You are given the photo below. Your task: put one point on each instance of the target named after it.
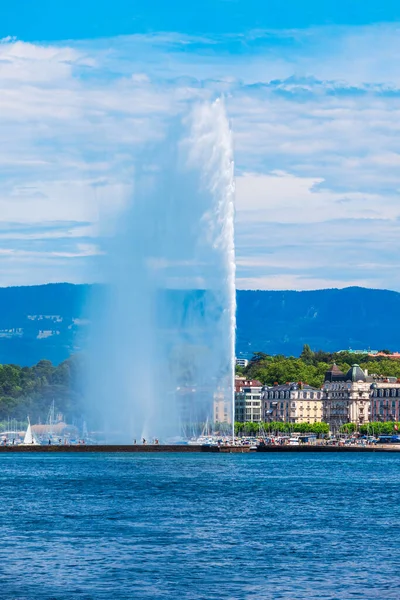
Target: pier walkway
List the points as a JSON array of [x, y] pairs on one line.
[[82, 448]]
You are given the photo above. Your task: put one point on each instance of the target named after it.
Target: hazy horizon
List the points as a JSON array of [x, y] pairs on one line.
[[83, 283]]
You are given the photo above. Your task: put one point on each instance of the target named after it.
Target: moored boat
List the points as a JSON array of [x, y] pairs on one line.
[[30, 439]]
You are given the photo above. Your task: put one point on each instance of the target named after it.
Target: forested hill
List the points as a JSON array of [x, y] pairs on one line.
[[281, 322], [43, 322], [52, 321]]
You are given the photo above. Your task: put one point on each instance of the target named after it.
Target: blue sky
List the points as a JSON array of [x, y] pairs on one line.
[[313, 94], [74, 19]]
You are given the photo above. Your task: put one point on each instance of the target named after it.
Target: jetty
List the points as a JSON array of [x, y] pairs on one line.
[[160, 448]]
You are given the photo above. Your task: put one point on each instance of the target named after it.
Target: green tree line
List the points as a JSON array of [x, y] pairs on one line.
[[276, 427], [379, 428], [31, 390]]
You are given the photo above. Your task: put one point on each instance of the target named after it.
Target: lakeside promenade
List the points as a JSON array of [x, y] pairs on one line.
[[157, 448]]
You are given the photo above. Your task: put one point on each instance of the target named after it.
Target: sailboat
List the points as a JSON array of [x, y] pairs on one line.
[[29, 439], [206, 438]]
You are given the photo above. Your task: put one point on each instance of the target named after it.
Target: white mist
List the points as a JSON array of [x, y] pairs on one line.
[[166, 342]]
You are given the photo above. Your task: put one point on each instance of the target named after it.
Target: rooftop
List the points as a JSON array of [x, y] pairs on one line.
[[355, 373], [334, 373]]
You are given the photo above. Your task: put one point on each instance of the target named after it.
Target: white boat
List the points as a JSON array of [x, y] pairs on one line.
[[197, 441], [29, 439], [203, 440], [294, 442]]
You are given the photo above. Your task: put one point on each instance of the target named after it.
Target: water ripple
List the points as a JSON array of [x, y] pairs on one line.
[[199, 527]]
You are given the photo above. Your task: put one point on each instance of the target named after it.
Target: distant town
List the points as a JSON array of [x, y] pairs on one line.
[[359, 390], [325, 394]]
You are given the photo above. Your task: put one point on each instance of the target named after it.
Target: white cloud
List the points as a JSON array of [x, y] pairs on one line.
[[316, 125], [285, 198], [35, 63], [62, 201], [82, 250]]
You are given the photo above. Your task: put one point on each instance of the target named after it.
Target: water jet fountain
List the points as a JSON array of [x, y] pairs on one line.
[[165, 348]]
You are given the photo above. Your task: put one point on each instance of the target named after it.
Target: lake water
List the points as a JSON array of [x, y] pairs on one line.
[[201, 526]]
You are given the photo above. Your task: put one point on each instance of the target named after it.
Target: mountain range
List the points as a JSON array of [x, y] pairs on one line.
[[53, 321]]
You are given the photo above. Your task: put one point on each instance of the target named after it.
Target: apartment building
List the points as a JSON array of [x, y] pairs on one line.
[[247, 400], [292, 403]]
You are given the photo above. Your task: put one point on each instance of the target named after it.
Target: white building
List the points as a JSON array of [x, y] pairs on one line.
[[222, 408], [247, 400], [346, 397], [292, 403], [242, 362]]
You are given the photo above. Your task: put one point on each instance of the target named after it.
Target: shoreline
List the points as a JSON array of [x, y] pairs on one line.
[[194, 449]]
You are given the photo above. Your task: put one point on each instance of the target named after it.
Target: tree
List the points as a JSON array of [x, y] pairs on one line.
[[257, 356], [348, 428], [239, 427], [31, 390], [379, 428], [320, 428], [307, 355]]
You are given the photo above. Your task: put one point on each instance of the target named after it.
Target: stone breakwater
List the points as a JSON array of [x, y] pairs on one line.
[[190, 449], [123, 448]]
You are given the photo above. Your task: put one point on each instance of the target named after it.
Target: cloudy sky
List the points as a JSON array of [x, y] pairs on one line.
[[312, 93]]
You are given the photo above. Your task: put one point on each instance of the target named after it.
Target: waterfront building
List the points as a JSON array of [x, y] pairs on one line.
[[247, 400], [222, 408], [346, 397], [292, 403], [385, 400]]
